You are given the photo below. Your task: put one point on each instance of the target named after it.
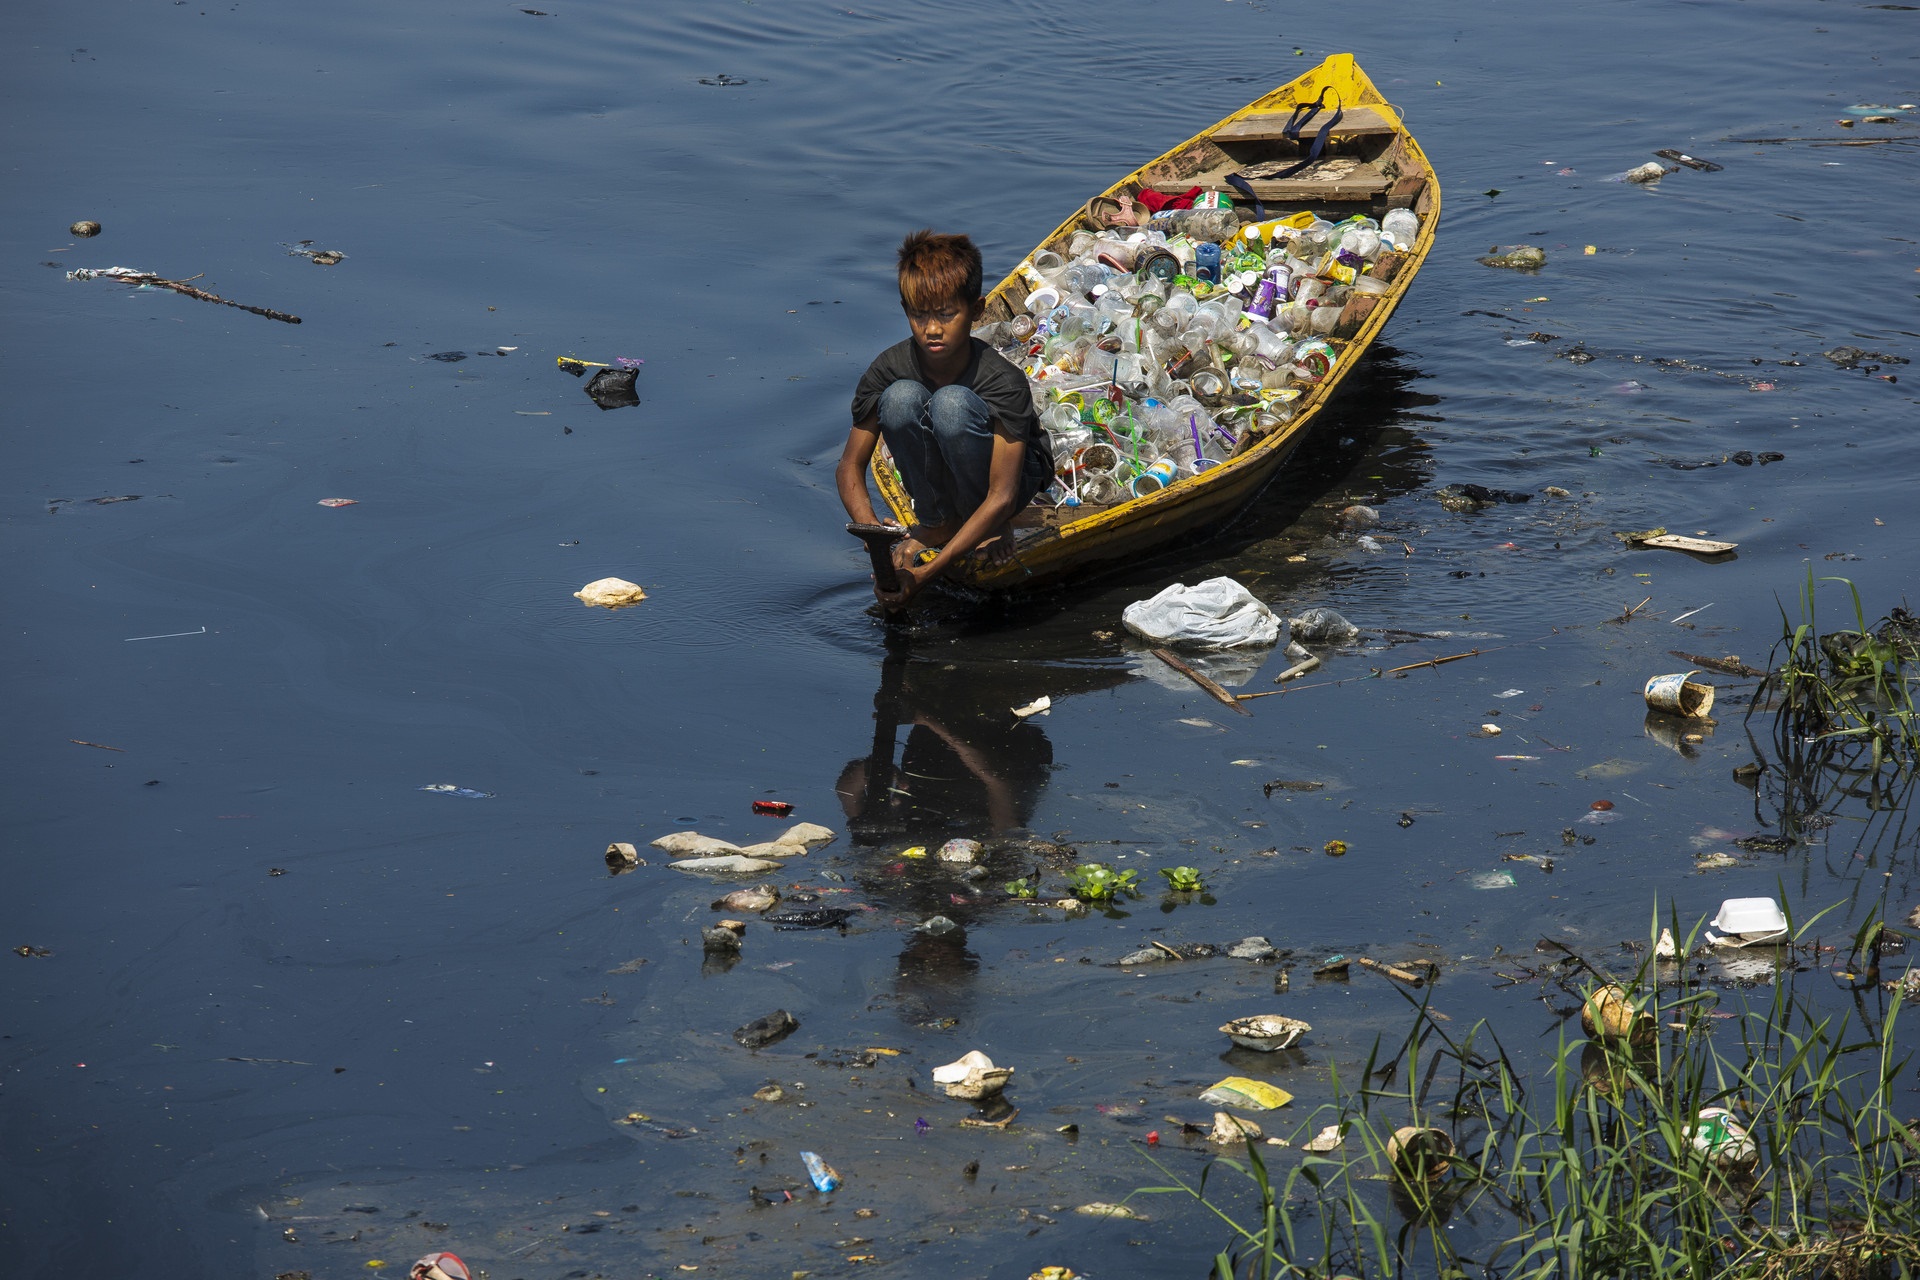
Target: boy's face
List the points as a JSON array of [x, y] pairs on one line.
[[943, 328]]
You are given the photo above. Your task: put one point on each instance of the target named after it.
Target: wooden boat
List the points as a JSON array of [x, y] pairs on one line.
[[1370, 164]]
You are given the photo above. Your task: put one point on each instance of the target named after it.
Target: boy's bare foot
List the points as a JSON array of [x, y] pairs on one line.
[[997, 548]]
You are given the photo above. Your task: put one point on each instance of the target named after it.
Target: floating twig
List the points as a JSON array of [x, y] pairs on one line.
[[1728, 666], [1626, 615], [128, 276], [171, 635], [1452, 657], [80, 742], [1210, 686], [1392, 971]]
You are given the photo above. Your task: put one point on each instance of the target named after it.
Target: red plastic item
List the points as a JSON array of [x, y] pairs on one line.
[[778, 808], [440, 1266], [1153, 1138]]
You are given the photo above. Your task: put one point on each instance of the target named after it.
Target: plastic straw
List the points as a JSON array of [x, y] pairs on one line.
[[1193, 426]]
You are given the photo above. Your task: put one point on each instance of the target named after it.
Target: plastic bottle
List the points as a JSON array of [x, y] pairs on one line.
[[1206, 262], [1215, 225], [1363, 242], [820, 1172], [1399, 229]]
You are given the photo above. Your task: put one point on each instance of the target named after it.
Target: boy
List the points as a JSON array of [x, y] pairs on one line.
[[958, 420]]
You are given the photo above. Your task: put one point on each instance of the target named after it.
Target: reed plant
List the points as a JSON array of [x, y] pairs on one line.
[[1605, 1168], [1835, 726]]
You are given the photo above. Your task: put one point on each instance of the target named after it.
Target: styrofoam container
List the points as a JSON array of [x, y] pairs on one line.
[[1752, 919]]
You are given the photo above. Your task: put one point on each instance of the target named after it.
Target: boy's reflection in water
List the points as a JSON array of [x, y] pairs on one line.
[[969, 767]]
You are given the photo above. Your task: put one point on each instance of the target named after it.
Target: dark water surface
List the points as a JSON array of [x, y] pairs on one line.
[[410, 1039]]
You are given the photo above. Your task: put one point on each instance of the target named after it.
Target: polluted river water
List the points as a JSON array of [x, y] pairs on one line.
[[307, 802]]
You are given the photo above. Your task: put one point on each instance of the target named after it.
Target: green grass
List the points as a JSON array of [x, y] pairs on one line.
[[1595, 1173]]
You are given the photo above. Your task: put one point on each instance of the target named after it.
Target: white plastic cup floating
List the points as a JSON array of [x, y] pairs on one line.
[[1680, 694]]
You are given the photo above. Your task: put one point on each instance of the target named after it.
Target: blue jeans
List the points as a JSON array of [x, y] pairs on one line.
[[942, 444]]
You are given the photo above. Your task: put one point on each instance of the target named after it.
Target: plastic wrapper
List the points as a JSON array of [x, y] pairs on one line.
[[1218, 613], [1322, 626]]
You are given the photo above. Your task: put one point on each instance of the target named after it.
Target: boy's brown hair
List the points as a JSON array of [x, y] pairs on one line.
[[936, 269]]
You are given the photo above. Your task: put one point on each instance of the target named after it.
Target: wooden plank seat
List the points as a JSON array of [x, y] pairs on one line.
[[1329, 178], [1355, 122]]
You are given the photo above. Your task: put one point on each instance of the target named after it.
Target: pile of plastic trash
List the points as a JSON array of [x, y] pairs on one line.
[[1157, 352]]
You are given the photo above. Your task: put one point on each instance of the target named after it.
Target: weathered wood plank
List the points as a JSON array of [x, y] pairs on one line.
[[1355, 122]]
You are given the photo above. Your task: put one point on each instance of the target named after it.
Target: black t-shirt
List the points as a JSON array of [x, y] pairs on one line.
[[987, 375]]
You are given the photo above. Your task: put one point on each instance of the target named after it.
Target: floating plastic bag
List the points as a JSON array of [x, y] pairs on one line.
[[1322, 626], [1218, 613]]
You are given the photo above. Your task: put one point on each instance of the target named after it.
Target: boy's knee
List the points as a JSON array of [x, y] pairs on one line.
[[957, 410], [902, 403]]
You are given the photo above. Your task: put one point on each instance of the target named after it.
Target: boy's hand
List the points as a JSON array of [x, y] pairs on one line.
[[906, 552], [912, 578]]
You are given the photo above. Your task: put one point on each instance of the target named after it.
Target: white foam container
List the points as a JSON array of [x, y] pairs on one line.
[[1751, 920]]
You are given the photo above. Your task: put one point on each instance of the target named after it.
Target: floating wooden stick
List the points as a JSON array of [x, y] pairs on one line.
[[1210, 686], [1432, 662], [1725, 666], [181, 286], [1392, 971]]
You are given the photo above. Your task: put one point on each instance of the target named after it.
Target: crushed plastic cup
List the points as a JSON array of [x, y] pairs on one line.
[[1722, 1139]]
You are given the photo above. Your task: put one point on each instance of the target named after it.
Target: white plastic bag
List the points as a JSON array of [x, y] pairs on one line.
[[1218, 613]]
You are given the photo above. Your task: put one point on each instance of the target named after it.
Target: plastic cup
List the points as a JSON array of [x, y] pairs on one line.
[[1680, 694]]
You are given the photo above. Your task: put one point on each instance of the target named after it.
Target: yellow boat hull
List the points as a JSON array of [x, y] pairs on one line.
[[1071, 545]]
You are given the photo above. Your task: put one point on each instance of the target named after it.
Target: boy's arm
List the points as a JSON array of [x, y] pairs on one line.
[[1003, 489], [851, 474]]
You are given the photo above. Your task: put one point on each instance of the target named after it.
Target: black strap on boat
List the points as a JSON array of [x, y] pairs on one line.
[[1303, 113]]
